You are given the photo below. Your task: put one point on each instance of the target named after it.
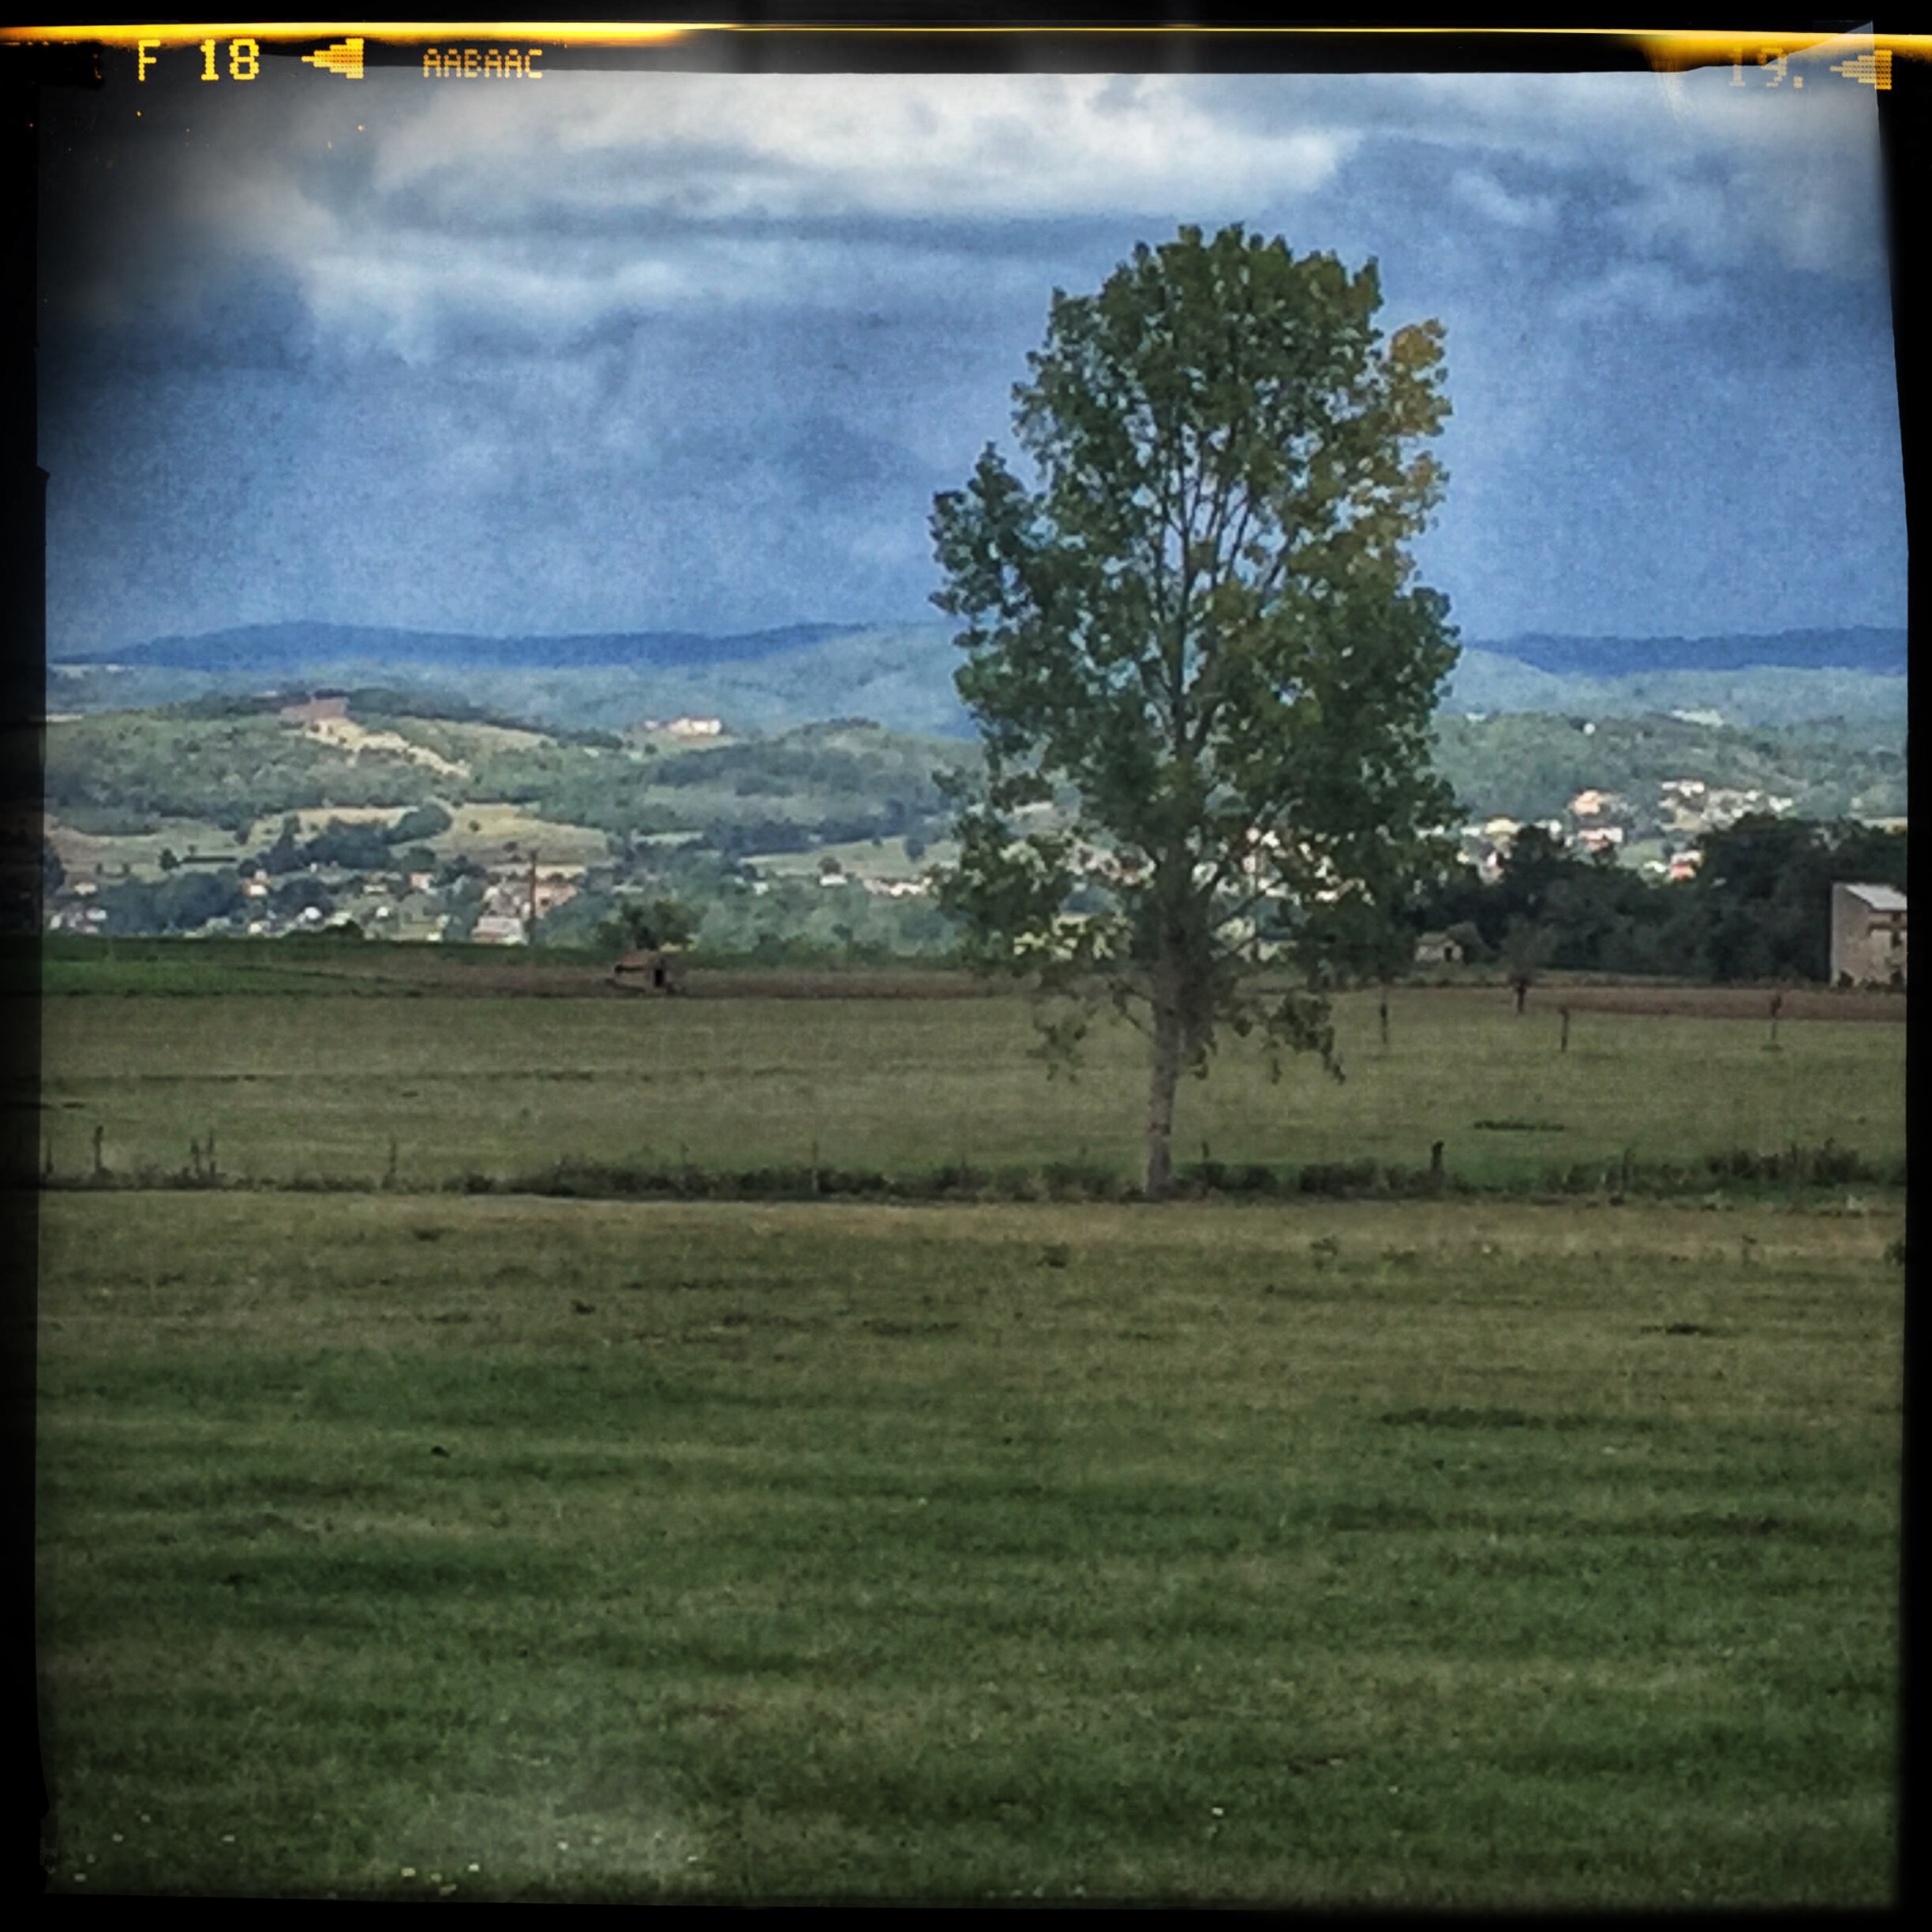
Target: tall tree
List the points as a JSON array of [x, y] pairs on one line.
[[1202, 673]]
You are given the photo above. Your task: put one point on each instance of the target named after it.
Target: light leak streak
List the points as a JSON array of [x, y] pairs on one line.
[[1670, 49]]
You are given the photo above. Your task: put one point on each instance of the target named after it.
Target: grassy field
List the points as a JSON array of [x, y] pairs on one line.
[[1430, 1554], [296, 1087]]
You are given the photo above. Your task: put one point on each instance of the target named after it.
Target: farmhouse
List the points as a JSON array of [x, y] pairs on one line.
[[1867, 936]]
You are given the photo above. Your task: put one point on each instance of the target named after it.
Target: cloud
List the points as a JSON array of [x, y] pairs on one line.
[[1488, 196], [721, 147], [416, 219], [1639, 291], [697, 348], [459, 217], [1721, 177]]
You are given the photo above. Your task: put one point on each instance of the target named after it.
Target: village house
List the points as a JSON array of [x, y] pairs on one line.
[[1689, 806], [1867, 936], [84, 918], [1591, 803], [1680, 803]]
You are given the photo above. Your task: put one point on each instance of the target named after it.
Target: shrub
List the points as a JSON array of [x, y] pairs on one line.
[[419, 823], [1339, 1177]]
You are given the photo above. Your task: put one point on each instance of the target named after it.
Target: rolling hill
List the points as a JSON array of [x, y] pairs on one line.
[[901, 676]]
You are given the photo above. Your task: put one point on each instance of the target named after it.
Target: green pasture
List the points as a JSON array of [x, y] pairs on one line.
[[318, 1088], [1453, 1554], [295, 966]]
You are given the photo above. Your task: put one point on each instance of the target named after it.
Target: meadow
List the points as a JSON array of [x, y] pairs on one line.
[[1454, 1553], [402, 1537], [320, 1090]]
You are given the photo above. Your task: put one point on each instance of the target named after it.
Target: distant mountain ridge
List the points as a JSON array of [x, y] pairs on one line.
[[284, 648], [291, 646], [901, 676], [1858, 648]]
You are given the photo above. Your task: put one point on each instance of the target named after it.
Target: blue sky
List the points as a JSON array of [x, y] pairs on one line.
[[695, 350]]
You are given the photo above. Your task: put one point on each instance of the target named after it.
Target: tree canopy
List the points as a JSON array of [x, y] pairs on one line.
[[1202, 673], [660, 923]]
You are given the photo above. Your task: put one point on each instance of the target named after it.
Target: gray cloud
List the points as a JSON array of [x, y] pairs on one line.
[[696, 350]]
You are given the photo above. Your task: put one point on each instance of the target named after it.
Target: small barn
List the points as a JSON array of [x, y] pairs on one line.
[[648, 970], [1438, 948], [1867, 936]]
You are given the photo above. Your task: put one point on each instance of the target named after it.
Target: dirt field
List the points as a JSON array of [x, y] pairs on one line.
[[1708, 1003], [521, 974], [526, 974]]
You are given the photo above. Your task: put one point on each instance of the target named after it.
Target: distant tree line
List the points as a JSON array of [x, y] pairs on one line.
[[186, 899], [358, 847], [1758, 907]]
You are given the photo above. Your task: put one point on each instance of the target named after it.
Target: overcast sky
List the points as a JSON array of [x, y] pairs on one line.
[[695, 351]]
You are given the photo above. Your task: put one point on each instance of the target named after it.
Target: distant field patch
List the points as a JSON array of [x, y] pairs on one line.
[[346, 734], [490, 831], [102, 855]]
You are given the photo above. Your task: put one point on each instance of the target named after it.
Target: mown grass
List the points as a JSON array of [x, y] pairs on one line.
[[1430, 1554], [319, 1088]]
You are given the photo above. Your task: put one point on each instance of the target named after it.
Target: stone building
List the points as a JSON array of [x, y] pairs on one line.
[[1867, 936]]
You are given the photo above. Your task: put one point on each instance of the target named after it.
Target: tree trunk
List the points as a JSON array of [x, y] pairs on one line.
[[1165, 1077]]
